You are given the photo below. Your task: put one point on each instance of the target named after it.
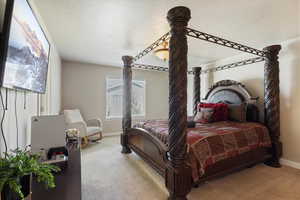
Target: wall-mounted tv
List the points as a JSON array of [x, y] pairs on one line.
[[25, 49]]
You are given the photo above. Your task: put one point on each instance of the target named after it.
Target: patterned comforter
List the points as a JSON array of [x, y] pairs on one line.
[[213, 142]]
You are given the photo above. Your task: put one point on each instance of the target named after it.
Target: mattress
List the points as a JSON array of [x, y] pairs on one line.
[[213, 142]]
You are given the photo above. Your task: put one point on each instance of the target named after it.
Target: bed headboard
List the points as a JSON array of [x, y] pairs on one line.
[[233, 92]]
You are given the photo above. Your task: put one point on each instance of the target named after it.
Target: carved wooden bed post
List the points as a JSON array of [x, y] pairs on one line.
[[197, 88], [178, 174], [272, 101], [127, 86]]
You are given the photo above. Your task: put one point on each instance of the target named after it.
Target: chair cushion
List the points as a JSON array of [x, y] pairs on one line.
[[73, 116], [93, 129]]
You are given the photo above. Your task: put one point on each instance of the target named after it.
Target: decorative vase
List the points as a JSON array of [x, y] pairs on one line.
[[8, 194]]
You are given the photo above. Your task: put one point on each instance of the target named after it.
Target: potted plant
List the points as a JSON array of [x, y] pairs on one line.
[[16, 169]]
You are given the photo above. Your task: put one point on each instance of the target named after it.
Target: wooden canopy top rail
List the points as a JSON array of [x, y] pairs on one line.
[[150, 48], [223, 42], [202, 36], [150, 67], [192, 72], [177, 172], [231, 65]]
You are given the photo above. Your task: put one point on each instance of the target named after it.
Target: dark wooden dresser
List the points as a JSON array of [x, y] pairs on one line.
[[68, 181]]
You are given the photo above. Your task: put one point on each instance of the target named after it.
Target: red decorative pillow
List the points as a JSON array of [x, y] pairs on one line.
[[220, 110]]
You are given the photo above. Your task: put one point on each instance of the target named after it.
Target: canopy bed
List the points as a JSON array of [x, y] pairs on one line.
[[187, 156]]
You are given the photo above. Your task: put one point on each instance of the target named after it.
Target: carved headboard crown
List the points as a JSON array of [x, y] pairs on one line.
[[233, 92]]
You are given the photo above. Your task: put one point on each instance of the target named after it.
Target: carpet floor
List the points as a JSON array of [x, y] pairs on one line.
[[109, 175]]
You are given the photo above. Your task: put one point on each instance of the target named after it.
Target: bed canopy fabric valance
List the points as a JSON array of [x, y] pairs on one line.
[[177, 180]]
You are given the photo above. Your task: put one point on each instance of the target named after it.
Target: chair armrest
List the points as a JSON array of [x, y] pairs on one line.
[[94, 122], [80, 126]]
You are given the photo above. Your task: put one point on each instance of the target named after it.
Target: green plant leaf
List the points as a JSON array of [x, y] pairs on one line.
[[19, 163]]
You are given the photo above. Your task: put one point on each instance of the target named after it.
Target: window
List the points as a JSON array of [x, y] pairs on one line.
[[114, 98]]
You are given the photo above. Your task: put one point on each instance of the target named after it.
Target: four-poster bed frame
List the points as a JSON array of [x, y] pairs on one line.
[[169, 160]]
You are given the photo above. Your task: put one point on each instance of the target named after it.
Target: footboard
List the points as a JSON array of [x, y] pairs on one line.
[[150, 148]]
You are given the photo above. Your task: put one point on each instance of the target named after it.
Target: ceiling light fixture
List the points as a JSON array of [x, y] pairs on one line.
[[163, 52]]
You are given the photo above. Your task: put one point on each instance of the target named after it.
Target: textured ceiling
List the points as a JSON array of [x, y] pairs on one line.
[[101, 31]]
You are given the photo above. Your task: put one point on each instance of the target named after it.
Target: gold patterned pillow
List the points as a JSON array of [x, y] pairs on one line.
[[238, 112], [204, 116]]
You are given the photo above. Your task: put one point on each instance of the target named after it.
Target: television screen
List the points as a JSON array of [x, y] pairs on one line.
[[27, 59], [2, 10]]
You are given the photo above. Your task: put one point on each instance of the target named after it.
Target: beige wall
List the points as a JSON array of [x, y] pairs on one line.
[[252, 77], [84, 88], [50, 101]]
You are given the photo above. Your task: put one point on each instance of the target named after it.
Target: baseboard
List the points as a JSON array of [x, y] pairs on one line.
[[290, 163], [111, 134]]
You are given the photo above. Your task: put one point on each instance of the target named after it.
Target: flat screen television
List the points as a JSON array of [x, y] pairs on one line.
[[24, 49]]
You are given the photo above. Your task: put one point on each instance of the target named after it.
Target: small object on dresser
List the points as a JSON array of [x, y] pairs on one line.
[[43, 154], [57, 150], [72, 138], [72, 135], [58, 156]]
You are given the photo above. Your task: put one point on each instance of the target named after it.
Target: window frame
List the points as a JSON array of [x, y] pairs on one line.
[[136, 116]]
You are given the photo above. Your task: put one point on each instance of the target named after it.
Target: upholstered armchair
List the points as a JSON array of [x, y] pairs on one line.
[[90, 130]]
